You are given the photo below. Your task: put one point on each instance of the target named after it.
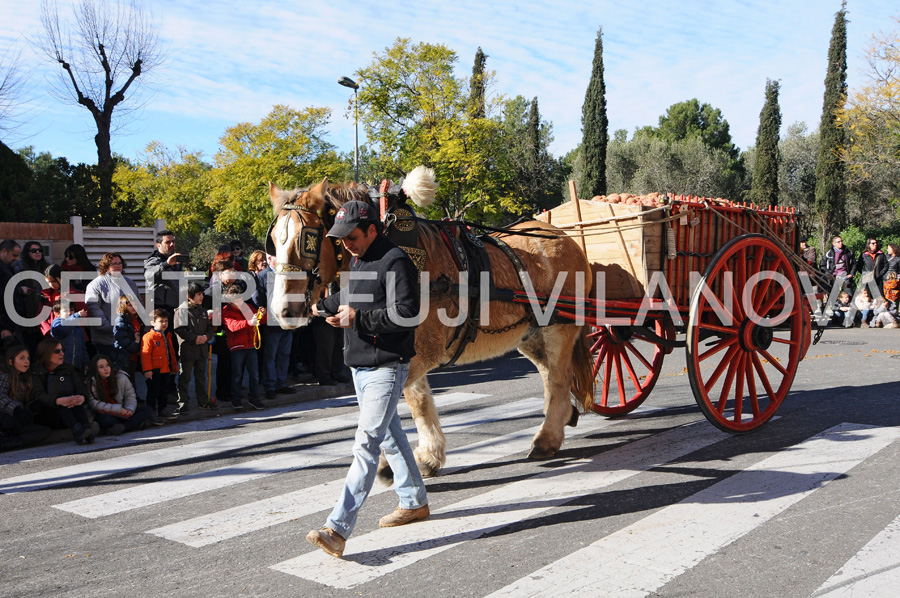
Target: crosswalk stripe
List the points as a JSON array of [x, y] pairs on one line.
[[386, 550], [155, 458], [143, 495], [641, 558], [236, 521], [872, 572]]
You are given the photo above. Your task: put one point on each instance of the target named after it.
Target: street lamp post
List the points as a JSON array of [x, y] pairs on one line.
[[348, 82]]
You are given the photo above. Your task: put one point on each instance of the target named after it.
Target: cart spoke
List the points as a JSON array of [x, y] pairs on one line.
[[762, 376], [600, 357], [778, 294], [718, 347], [726, 386], [717, 328], [729, 356], [640, 357], [619, 378], [785, 341], [739, 387], [630, 366], [775, 363], [607, 366], [751, 387]]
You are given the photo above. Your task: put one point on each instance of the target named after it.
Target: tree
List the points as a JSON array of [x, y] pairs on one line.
[[830, 185], [12, 91], [476, 86], [764, 189], [688, 166], [102, 54], [691, 119], [799, 152], [287, 147], [871, 119], [169, 185], [416, 111], [594, 125]]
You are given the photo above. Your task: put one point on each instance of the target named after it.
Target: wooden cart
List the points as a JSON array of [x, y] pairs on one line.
[[720, 279]]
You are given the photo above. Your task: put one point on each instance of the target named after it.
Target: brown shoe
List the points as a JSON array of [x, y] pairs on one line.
[[328, 540], [402, 516]]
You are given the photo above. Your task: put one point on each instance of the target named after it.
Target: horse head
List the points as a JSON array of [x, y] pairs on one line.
[[306, 260]]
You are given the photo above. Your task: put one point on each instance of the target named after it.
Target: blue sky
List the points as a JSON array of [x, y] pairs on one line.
[[230, 62]]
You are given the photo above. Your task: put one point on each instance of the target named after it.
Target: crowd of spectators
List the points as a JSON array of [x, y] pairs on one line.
[[78, 343], [872, 301]]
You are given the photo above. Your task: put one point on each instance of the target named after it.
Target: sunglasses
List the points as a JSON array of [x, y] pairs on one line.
[[57, 351], [36, 250]]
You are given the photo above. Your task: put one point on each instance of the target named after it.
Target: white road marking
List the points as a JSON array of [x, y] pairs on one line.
[[142, 495], [386, 550], [223, 525], [873, 572], [640, 558], [159, 457]]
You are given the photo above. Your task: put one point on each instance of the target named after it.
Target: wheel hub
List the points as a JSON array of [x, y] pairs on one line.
[[620, 334], [754, 337]]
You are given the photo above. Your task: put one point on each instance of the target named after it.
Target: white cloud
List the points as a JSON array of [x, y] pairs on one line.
[[231, 62]]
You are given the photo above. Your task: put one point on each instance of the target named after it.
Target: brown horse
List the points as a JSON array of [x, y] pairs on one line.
[[307, 261]]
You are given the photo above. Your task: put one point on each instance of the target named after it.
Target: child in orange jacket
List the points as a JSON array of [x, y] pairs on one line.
[[242, 337], [158, 363]]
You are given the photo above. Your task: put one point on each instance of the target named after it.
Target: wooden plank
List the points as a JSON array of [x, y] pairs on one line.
[[631, 269], [577, 205]]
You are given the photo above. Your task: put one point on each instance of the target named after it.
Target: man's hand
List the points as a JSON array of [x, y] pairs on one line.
[[201, 339], [343, 318], [173, 259], [148, 375]]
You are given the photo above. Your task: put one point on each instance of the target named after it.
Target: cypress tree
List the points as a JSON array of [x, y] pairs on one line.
[[594, 125], [830, 187], [476, 86], [534, 134], [764, 188]]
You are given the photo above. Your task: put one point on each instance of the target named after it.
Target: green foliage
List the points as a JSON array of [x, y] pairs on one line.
[[764, 189], [287, 147], [205, 244], [57, 190], [15, 180], [416, 111], [797, 168], [855, 237], [595, 126], [830, 184], [172, 186], [689, 119], [476, 86], [688, 166]]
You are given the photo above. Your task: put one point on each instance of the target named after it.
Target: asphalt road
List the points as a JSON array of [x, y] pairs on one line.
[[657, 503]]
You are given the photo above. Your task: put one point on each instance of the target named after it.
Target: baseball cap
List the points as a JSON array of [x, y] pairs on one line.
[[352, 214]]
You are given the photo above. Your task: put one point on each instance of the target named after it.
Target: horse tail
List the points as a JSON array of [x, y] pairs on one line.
[[582, 371]]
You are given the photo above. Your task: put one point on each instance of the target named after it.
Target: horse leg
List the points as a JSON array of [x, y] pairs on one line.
[[429, 453], [550, 349]]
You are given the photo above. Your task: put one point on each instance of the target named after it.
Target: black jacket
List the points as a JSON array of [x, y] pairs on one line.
[[64, 381], [164, 290], [877, 264], [383, 330], [827, 264]]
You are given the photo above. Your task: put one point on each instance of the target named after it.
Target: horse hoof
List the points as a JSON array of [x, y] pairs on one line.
[[385, 475], [428, 470], [573, 419], [539, 454]]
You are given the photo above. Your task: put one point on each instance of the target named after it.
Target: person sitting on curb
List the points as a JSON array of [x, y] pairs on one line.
[[113, 400]]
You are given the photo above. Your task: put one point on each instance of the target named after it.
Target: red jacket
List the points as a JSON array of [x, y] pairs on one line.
[[240, 335], [153, 353]]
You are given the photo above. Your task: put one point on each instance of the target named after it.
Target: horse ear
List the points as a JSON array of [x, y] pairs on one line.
[[324, 186], [276, 195]]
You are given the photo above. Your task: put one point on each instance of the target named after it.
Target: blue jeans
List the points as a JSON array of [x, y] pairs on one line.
[[378, 392], [276, 356], [239, 359]]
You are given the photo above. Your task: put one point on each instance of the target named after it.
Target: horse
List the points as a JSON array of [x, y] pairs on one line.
[[307, 262]]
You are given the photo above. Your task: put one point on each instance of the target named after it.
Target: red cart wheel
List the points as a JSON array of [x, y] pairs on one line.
[[745, 334], [626, 366]]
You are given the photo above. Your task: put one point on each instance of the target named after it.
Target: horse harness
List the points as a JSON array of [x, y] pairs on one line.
[[470, 256], [309, 241]]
